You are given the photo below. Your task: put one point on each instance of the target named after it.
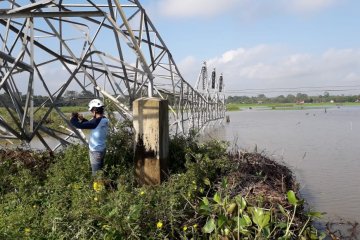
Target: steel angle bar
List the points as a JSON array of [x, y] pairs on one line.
[[121, 106], [138, 52], [116, 32], [21, 135], [31, 6], [9, 72], [16, 61], [97, 5], [51, 14]]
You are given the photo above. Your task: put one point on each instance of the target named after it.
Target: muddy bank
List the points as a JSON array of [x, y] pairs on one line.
[[265, 182]]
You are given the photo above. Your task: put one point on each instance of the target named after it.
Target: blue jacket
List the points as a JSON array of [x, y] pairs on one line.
[[99, 126]]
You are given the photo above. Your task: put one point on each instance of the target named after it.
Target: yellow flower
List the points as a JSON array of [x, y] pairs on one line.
[[106, 227], [96, 199], [185, 228], [142, 193], [195, 226], [159, 224], [27, 231], [98, 186]]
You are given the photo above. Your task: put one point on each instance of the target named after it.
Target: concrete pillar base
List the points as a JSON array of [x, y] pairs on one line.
[[151, 123]]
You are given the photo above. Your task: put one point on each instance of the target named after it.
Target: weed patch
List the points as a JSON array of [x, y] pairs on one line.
[[209, 194]]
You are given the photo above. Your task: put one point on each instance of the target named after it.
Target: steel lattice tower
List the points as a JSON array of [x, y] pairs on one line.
[[104, 48]]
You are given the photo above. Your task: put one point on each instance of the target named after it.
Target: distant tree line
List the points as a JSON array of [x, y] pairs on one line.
[[70, 98], [290, 98], [74, 98]]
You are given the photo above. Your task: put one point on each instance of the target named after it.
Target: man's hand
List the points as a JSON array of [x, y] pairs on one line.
[[75, 114]]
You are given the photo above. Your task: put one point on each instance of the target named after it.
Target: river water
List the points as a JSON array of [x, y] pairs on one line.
[[321, 147]]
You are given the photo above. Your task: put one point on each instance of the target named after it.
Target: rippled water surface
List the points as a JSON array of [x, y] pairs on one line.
[[321, 147]]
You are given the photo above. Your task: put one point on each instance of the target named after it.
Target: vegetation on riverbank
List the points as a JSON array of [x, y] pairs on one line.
[[286, 106], [209, 194], [290, 98], [53, 120], [290, 102]]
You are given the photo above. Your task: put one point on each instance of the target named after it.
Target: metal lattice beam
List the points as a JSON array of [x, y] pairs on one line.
[[103, 47]]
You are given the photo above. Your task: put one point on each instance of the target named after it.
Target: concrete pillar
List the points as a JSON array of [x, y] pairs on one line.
[[151, 123]]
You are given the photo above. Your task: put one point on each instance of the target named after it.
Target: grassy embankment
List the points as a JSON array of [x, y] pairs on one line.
[[286, 106], [53, 120], [209, 194]]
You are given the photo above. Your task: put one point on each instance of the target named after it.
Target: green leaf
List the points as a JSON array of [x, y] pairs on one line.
[[260, 217], [134, 212], [205, 200], [244, 221], [217, 198], [224, 183], [221, 221], [282, 225], [313, 236], [266, 220], [209, 226], [315, 214], [113, 212], [322, 236], [207, 181], [283, 211], [242, 231], [240, 201], [231, 208], [266, 232], [292, 198], [205, 209]]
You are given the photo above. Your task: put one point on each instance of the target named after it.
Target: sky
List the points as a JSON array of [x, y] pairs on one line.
[[265, 47]]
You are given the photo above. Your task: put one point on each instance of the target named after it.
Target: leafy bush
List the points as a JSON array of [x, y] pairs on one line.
[[61, 200]]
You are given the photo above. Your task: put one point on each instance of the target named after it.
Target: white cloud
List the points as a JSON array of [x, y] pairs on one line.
[[189, 8], [190, 69], [244, 8], [309, 5], [266, 66]]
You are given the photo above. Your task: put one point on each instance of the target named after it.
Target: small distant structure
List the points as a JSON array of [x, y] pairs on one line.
[[357, 100], [332, 101], [300, 102], [227, 118]]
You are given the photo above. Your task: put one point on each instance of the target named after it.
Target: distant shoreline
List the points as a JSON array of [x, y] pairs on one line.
[[285, 106]]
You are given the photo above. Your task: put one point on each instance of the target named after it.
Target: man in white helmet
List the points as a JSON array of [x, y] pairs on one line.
[[97, 140]]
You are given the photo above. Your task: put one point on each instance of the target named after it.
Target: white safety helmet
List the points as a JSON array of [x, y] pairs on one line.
[[95, 103]]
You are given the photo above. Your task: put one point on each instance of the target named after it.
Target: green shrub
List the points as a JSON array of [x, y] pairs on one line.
[[60, 201]]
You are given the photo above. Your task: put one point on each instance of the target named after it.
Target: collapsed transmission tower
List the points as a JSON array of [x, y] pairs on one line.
[[213, 92], [103, 48]]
